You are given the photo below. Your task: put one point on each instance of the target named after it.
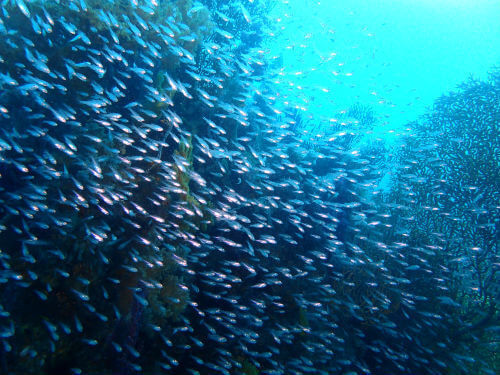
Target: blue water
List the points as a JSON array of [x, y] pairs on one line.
[[249, 187], [397, 56]]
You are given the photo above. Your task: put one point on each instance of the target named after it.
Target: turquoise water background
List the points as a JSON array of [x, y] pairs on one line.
[[397, 56]]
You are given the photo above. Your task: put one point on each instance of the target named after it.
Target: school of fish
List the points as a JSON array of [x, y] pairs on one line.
[[161, 212]]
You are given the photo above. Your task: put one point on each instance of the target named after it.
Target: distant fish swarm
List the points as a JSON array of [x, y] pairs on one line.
[[159, 212]]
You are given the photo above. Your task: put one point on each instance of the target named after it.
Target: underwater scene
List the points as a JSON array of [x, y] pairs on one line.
[[249, 187]]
